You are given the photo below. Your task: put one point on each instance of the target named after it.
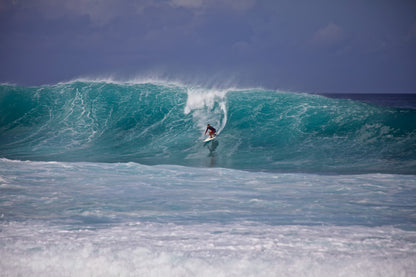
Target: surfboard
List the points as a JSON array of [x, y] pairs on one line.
[[209, 139]]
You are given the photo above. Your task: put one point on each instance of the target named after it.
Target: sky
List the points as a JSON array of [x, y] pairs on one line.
[[319, 46]]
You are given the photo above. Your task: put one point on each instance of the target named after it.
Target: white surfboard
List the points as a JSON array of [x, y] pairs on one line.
[[209, 139]]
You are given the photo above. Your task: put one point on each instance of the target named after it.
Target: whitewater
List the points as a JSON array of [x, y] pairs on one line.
[[101, 178]]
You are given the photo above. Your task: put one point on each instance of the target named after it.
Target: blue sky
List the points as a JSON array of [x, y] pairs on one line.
[[337, 46]]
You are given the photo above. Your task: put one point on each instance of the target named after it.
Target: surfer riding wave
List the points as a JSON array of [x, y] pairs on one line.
[[211, 131]]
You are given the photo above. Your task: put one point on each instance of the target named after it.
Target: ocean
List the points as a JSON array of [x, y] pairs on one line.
[[104, 178]]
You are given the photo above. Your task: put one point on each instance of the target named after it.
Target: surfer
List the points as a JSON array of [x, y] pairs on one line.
[[211, 131]]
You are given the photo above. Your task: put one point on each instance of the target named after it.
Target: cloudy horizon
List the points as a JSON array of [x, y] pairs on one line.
[[309, 46]]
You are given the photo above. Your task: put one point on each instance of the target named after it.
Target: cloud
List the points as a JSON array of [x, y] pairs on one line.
[[273, 42], [235, 5], [187, 3], [100, 11], [328, 36], [241, 5]]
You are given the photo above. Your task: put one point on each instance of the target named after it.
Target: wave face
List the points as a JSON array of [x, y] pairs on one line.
[[157, 123]]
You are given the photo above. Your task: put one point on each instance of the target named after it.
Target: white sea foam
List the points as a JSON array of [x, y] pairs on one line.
[[244, 249], [127, 219], [208, 107]]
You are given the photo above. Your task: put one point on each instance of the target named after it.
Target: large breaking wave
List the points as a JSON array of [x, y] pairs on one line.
[[159, 123]]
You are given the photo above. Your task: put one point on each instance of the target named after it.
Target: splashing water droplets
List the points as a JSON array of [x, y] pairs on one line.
[[207, 107]]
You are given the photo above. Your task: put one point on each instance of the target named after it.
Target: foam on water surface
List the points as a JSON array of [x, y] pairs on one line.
[[85, 193], [92, 219], [243, 249]]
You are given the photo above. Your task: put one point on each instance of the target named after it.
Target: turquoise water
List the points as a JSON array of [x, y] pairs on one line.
[[113, 179], [153, 123]]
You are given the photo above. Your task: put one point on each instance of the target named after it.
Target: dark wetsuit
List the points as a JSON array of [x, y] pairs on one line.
[[212, 129]]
